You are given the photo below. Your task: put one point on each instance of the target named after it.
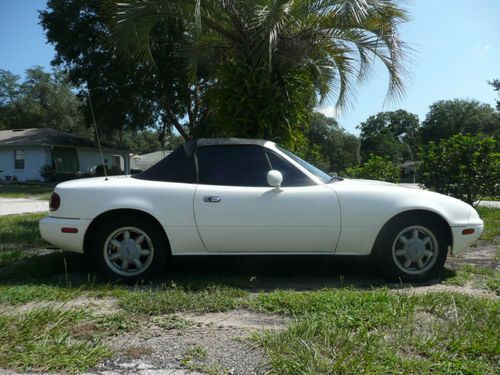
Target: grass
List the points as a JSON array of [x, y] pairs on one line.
[[20, 190], [20, 230], [10, 255], [19, 234], [24, 293], [479, 277], [110, 325], [166, 300], [56, 290], [48, 340], [491, 218], [345, 308], [334, 331], [347, 331]]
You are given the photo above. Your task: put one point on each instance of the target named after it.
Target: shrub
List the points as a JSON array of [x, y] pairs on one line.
[[464, 166], [376, 168], [47, 172]]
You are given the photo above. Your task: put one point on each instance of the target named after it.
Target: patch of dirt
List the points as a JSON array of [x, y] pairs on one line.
[[483, 254], [436, 288], [154, 349], [225, 338], [242, 319], [423, 319]]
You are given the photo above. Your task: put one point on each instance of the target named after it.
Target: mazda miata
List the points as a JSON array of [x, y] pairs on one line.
[[253, 197]]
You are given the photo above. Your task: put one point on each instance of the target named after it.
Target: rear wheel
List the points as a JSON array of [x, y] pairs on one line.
[[129, 248], [412, 249]]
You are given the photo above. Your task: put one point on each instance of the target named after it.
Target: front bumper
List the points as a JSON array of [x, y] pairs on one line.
[[51, 231], [462, 241]]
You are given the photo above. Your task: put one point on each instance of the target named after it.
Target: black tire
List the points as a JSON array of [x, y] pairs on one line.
[[392, 255], [114, 227]]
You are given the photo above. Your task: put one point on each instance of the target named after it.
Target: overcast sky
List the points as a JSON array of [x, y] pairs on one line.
[[456, 47]]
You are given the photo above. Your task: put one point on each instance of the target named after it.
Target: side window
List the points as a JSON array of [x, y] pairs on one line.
[[178, 166], [18, 159], [291, 175], [232, 165]]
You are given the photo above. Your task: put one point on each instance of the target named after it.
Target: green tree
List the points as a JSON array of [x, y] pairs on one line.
[[463, 166], [393, 135], [449, 117], [376, 168], [127, 95], [496, 86], [330, 146], [11, 115], [268, 60], [42, 100], [146, 141]]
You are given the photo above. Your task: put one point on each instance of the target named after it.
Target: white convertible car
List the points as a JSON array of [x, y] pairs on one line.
[[242, 196]]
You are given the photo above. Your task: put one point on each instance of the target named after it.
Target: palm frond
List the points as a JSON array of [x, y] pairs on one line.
[[133, 22], [336, 41]]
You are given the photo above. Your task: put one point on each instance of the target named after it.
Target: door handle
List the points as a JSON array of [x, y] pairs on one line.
[[212, 199]]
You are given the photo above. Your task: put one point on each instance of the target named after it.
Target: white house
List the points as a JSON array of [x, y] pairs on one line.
[[144, 161], [24, 151]]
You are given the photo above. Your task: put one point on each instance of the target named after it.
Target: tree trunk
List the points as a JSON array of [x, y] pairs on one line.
[[175, 122]]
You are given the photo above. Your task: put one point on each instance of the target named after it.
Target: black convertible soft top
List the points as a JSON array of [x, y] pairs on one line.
[[179, 166], [228, 141]]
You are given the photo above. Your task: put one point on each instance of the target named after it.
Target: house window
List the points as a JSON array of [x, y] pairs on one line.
[[18, 159]]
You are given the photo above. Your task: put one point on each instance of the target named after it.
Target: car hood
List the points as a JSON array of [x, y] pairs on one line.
[[381, 186], [359, 183], [387, 194]]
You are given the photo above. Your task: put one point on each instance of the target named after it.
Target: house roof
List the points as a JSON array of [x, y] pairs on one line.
[[154, 156], [45, 136]]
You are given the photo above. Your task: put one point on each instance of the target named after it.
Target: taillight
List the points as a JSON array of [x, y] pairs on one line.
[[55, 202]]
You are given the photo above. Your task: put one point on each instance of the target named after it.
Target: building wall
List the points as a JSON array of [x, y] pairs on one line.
[[34, 158], [145, 161], [90, 158], [37, 156]]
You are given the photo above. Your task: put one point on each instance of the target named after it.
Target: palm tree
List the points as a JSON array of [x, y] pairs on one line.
[[266, 44]]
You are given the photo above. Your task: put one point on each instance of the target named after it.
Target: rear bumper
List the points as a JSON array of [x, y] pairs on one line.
[[51, 231], [462, 241]]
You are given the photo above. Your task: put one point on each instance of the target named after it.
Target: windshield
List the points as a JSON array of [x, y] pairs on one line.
[[324, 177]]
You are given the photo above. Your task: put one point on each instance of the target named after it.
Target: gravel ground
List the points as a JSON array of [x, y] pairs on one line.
[[135, 367], [224, 337]]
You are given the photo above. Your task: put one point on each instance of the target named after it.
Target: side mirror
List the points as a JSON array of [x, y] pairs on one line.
[[274, 178]]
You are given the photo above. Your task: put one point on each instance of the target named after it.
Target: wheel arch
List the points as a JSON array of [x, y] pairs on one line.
[[428, 215], [114, 212]]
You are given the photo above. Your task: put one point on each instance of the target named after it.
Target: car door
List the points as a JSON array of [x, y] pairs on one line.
[[236, 211]]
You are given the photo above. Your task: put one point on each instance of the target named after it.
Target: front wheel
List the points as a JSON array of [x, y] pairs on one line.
[[129, 249], [412, 249]]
